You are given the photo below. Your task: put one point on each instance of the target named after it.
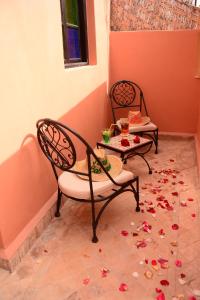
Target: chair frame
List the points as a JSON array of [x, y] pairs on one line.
[[57, 146], [124, 103]]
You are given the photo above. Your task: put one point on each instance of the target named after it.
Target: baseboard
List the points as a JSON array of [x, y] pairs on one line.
[[12, 256], [178, 134], [197, 146]]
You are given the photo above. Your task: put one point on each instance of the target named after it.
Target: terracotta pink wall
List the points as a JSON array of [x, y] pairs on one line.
[[27, 181], [164, 64]]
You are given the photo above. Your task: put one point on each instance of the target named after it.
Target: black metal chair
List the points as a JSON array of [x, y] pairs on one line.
[[125, 94], [59, 143]]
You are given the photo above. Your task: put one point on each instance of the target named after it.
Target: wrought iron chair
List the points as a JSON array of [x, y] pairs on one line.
[[126, 94], [59, 143]]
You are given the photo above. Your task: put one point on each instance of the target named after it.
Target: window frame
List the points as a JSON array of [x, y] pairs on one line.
[[83, 37]]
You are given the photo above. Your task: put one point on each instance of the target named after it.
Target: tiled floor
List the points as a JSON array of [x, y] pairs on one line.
[[65, 265]]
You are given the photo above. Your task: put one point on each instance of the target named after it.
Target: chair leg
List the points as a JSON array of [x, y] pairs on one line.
[[136, 194], [94, 224], [156, 140], [57, 213]]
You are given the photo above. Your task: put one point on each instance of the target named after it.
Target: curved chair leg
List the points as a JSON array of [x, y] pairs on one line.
[[156, 140], [136, 194], [57, 214], [94, 224]]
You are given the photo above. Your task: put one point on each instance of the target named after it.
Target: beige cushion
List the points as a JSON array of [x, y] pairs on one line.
[[147, 127], [72, 185]]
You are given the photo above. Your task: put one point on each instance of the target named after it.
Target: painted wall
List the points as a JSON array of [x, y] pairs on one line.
[[34, 84], [164, 64]]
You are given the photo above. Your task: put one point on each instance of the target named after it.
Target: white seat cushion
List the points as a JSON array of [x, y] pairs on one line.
[[148, 127], [72, 185]]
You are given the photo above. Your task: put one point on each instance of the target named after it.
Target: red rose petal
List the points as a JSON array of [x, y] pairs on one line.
[[123, 287], [160, 297], [193, 215], [164, 282], [178, 263], [151, 210], [175, 227], [175, 193], [171, 160], [182, 275], [154, 262], [86, 281], [158, 290], [192, 298], [181, 182], [124, 232], [146, 261], [100, 250], [190, 199]]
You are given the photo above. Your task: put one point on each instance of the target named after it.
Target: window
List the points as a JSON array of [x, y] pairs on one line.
[[74, 30], [196, 2]]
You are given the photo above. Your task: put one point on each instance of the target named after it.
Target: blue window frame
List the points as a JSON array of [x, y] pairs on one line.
[[74, 29]]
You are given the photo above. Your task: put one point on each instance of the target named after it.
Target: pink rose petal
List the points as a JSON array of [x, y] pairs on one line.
[[160, 297], [123, 287], [164, 282], [178, 263], [86, 281], [175, 227], [124, 232]]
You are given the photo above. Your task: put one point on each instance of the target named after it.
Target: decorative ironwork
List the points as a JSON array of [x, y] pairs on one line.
[[56, 145], [123, 93]]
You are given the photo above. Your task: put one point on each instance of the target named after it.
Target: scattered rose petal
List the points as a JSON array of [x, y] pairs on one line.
[[148, 274], [104, 272], [175, 227], [175, 194], [100, 250], [196, 292], [192, 298], [161, 233], [178, 297], [164, 282], [86, 281], [163, 263], [193, 215], [158, 290], [190, 199], [124, 232], [135, 274], [181, 182], [154, 262], [182, 281], [160, 297], [183, 203], [178, 263], [182, 275], [151, 210], [171, 160], [135, 234], [123, 287], [141, 244], [146, 261], [174, 243]]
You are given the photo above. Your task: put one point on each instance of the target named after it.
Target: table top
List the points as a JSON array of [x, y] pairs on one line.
[[115, 143]]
